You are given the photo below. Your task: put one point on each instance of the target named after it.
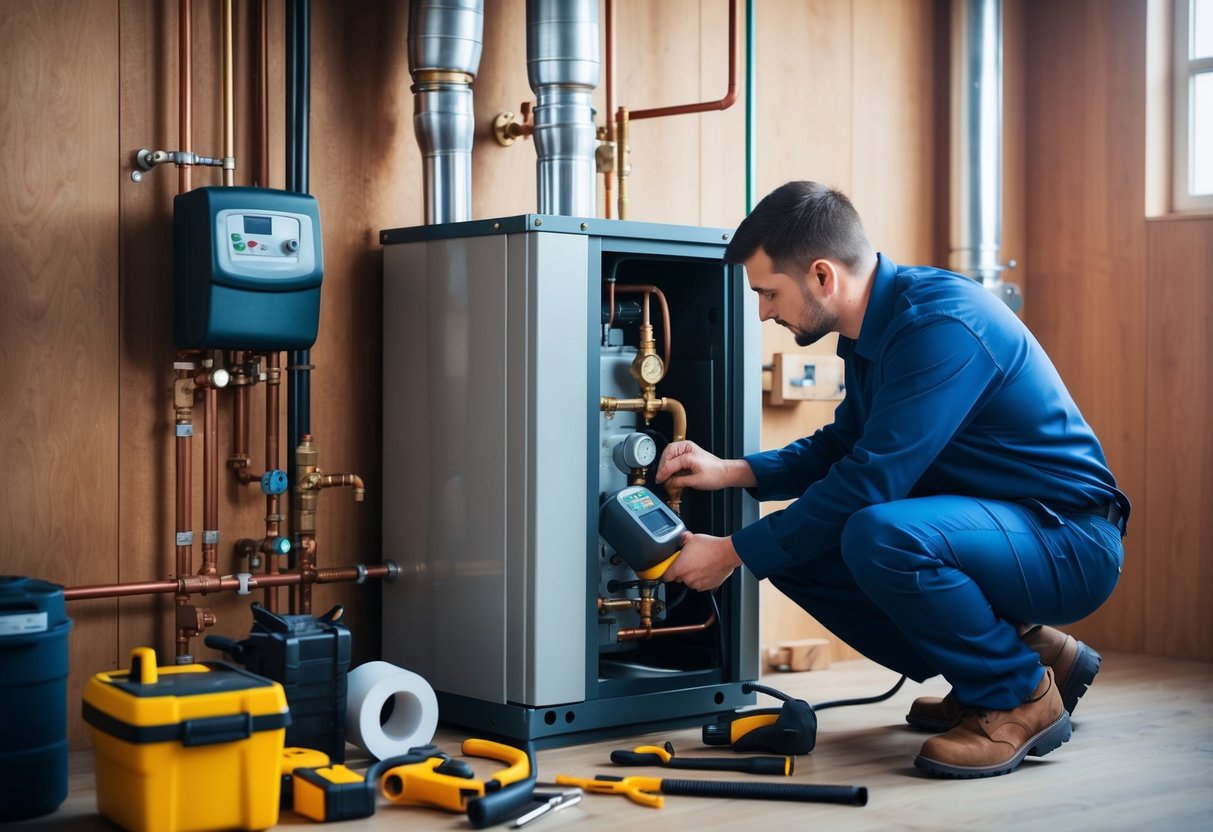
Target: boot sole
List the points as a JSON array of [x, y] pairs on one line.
[[1080, 677], [1041, 744]]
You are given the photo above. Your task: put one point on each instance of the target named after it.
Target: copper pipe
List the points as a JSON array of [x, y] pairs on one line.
[[272, 516], [610, 299], [636, 633], [239, 460], [183, 430], [207, 584], [185, 58], [705, 106], [343, 480], [307, 566], [210, 482], [86, 593], [229, 97], [621, 160], [609, 175], [263, 95], [647, 289]]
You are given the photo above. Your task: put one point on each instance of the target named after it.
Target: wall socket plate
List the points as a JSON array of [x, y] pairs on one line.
[[800, 376]]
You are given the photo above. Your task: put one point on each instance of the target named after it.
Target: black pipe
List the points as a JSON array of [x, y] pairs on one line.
[[298, 116]]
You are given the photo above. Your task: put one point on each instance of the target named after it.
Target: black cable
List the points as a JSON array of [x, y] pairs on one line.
[[754, 687], [867, 700], [719, 626]]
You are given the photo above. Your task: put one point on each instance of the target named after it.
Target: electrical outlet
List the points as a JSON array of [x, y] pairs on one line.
[[798, 376]]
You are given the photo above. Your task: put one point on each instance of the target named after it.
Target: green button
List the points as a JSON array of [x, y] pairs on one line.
[[238, 246], [235, 238]]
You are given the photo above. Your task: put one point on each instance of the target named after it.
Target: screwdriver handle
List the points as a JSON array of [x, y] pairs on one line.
[[846, 795]]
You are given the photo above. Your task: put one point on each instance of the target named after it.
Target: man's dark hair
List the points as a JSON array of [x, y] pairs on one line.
[[798, 223]]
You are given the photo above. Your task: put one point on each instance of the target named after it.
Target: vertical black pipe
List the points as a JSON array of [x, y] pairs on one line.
[[298, 114]]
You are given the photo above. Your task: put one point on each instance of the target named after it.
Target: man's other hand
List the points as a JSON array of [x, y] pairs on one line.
[[686, 465], [705, 562]]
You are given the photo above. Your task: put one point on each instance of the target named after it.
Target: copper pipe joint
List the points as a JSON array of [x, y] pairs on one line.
[[636, 633], [344, 480]]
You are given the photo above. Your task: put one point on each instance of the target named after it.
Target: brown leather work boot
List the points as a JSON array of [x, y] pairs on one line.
[[1074, 665], [989, 743]]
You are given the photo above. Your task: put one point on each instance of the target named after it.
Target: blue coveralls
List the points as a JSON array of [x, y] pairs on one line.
[[957, 494]]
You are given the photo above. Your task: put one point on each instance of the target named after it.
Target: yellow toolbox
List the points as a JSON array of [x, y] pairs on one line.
[[188, 748]]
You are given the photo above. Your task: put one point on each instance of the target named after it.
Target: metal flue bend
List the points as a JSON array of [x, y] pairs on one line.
[[445, 38], [977, 80], [563, 70]]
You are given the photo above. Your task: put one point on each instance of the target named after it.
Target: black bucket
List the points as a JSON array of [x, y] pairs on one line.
[[33, 697]]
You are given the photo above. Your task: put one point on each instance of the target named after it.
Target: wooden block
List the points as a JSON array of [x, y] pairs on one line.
[[805, 654]]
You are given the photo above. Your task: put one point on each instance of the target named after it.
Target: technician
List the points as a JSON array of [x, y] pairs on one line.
[[958, 501]]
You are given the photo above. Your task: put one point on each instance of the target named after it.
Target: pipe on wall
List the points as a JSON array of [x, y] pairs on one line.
[[445, 39], [976, 130], [563, 70]]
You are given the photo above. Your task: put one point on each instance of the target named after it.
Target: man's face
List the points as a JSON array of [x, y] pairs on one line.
[[789, 301]]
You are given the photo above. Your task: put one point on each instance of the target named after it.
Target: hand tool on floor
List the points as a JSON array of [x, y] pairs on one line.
[[654, 755], [430, 782], [329, 793], [648, 791], [789, 729], [555, 802]]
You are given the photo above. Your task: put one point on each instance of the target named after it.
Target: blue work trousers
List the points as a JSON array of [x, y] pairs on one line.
[[939, 585]]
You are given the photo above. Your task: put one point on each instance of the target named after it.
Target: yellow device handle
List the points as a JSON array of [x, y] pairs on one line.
[[655, 572]]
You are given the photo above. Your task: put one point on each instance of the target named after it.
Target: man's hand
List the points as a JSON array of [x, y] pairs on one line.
[[686, 465], [705, 562]]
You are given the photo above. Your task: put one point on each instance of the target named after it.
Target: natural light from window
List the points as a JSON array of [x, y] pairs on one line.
[[1202, 98]]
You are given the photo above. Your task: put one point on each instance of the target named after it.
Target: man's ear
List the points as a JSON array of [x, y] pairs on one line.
[[825, 275]]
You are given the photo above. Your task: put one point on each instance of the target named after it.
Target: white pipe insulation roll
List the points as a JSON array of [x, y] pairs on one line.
[[414, 711]]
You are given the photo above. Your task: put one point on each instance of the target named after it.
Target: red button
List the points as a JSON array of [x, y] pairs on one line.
[[252, 243]]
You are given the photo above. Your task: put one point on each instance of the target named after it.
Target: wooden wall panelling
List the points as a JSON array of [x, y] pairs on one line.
[[1179, 450], [721, 172], [659, 63], [503, 178], [1085, 99], [893, 130], [59, 307], [361, 106], [1014, 146]]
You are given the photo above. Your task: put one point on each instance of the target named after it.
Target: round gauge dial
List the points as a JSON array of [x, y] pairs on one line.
[[651, 369]]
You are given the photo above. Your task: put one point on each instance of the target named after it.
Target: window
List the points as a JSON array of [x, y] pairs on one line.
[[1192, 174]]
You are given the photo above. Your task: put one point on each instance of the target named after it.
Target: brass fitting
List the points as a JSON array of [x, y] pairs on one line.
[[507, 130], [307, 495]]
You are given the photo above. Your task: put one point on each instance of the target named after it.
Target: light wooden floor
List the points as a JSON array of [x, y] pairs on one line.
[[1141, 758]]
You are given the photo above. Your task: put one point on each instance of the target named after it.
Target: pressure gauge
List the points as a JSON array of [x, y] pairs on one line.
[[637, 450], [649, 369]]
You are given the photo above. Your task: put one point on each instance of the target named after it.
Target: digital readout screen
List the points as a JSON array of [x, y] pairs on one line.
[[657, 521], [258, 225]]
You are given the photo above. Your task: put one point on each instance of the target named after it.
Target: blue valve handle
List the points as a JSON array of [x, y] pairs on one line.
[[273, 482]]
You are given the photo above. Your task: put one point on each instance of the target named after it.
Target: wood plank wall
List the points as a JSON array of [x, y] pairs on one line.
[[851, 92], [1122, 305]]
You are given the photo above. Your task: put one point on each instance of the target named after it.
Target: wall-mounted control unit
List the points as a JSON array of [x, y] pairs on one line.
[[247, 269]]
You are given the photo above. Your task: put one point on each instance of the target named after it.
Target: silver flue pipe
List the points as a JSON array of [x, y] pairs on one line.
[[976, 164], [445, 38], [563, 70]]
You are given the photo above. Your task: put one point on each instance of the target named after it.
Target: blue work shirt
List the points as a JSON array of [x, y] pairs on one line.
[[947, 392]]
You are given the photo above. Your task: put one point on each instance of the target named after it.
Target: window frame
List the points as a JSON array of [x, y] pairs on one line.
[[1184, 69]]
